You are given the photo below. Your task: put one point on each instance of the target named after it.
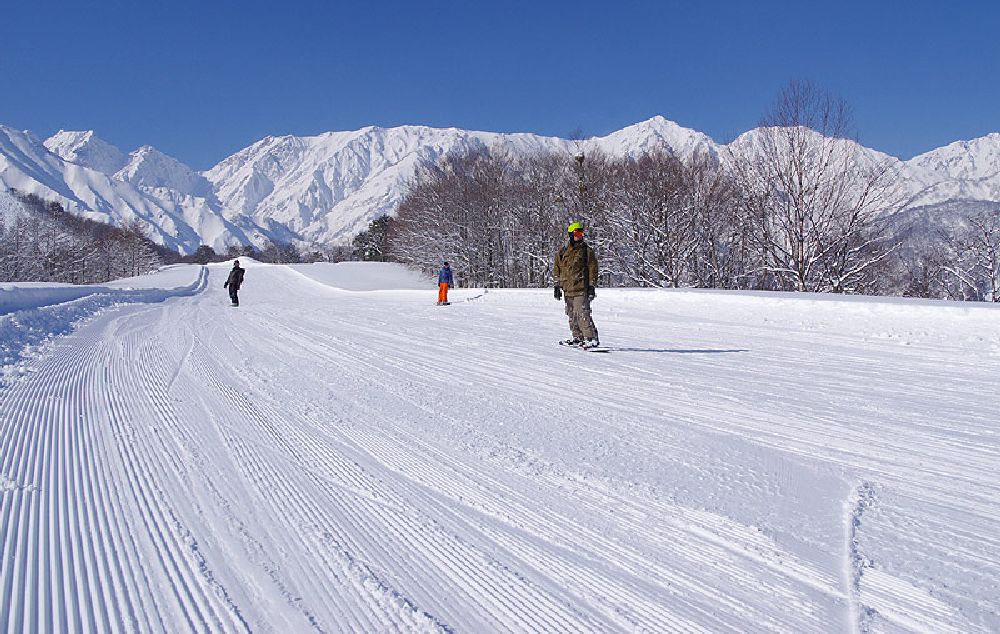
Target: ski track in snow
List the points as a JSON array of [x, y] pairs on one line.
[[322, 460]]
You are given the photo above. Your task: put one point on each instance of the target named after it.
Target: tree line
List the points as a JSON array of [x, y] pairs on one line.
[[278, 253], [794, 206], [48, 244]]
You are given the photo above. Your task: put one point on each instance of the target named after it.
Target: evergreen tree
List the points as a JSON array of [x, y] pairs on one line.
[[370, 245]]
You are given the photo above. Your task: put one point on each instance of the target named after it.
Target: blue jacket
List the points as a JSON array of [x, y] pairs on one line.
[[445, 276]]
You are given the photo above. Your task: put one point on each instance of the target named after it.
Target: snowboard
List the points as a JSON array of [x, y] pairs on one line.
[[591, 349]]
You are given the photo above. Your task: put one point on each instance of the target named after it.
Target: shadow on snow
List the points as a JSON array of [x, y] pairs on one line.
[[678, 351]]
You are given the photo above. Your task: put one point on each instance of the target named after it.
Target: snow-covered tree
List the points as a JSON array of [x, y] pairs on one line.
[[812, 197], [975, 263], [47, 244]]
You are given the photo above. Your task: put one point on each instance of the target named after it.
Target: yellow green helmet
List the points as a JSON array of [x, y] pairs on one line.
[[575, 226]]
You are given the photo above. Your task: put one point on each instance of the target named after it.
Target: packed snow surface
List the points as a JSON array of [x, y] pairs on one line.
[[31, 313], [332, 457], [363, 276]]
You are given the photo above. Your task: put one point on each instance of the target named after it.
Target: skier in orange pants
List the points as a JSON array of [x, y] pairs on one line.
[[445, 280]]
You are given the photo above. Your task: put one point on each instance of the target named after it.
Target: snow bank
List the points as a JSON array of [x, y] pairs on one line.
[[32, 313], [364, 276], [26, 295], [18, 296], [174, 276]]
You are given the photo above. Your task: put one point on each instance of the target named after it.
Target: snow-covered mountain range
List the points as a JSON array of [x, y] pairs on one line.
[[94, 179], [324, 189]]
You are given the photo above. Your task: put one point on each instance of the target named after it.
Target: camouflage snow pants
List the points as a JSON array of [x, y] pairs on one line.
[[580, 322]]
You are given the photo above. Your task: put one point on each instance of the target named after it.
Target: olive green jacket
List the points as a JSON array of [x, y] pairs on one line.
[[568, 269]]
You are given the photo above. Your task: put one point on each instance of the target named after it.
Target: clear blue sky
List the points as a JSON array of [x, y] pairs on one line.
[[200, 80]]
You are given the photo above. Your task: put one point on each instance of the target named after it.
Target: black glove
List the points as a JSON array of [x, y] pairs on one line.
[[225, 285], [558, 292], [591, 292]]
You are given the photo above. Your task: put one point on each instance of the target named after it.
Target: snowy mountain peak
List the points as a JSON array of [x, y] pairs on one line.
[[657, 133], [149, 167], [326, 188], [87, 149], [29, 167], [768, 139], [661, 124], [974, 159]]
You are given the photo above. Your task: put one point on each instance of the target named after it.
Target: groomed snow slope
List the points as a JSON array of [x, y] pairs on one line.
[[33, 313], [322, 459]]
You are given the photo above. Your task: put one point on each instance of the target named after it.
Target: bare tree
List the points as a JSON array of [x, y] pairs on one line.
[[500, 218], [811, 194], [723, 250], [489, 213], [648, 220], [974, 264], [48, 244]]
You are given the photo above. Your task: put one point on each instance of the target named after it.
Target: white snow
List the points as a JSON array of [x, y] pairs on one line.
[[364, 276], [338, 453], [656, 134], [32, 313], [173, 204], [963, 170], [327, 188], [148, 167], [87, 149]]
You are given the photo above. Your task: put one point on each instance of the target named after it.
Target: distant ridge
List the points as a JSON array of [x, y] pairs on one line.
[[326, 188]]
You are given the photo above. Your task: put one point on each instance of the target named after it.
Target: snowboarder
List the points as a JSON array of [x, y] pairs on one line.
[[445, 280], [234, 281], [575, 273]]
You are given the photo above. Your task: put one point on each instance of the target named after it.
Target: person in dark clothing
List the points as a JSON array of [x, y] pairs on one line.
[[234, 281], [575, 273], [445, 280]]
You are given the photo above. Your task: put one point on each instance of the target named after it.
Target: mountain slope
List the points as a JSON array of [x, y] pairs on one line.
[[148, 168], [86, 149], [328, 187], [965, 170], [173, 203], [656, 134]]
